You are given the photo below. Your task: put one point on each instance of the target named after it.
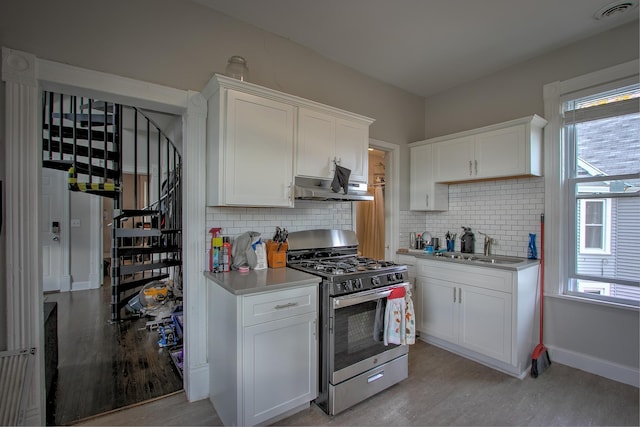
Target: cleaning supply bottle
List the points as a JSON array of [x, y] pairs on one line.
[[532, 251], [214, 251], [225, 254]]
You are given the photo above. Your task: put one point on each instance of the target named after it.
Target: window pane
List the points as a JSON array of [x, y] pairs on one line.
[[608, 187], [609, 146], [602, 137], [594, 213], [622, 261], [593, 238]]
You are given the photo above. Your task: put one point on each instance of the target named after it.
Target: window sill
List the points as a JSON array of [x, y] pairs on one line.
[[584, 300]]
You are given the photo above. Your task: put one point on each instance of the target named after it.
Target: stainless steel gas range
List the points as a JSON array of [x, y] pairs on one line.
[[354, 362]]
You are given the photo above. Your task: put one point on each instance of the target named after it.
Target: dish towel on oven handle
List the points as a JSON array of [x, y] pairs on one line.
[[399, 320]]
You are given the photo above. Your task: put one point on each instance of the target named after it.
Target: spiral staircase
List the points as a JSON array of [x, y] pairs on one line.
[[95, 141]]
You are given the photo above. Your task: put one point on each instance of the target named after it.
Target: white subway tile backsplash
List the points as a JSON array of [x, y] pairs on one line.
[[507, 210], [306, 215]]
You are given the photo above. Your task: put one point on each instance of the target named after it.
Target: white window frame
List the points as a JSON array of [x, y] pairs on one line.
[[605, 249], [558, 227]]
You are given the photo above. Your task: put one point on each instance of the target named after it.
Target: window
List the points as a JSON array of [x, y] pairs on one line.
[[600, 140]]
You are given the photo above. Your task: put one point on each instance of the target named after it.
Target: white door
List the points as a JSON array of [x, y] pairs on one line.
[[453, 159], [485, 321], [501, 153], [260, 176], [439, 308], [280, 362], [352, 143], [53, 210]]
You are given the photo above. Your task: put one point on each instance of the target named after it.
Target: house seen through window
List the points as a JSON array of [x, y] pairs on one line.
[[601, 132]]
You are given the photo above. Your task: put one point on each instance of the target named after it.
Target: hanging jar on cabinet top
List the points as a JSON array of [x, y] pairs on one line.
[[237, 68]]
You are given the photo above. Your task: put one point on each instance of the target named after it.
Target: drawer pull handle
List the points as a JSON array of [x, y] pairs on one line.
[[377, 376], [288, 305]]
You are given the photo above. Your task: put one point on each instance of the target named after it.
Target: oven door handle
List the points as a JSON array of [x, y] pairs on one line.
[[365, 296]]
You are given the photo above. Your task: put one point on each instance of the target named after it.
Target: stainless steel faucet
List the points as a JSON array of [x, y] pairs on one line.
[[487, 243]]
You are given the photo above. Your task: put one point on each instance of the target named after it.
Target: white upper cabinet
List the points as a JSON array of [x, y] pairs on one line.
[[326, 139], [259, 138], [425, 194], [250, 141], [505, 150]]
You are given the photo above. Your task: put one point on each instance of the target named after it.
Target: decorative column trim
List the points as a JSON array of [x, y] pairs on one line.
[[23, 259], [193, 247]]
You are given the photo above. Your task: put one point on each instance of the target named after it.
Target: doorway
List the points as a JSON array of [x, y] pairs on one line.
[[384, 184], [102, 363], [370, 215]]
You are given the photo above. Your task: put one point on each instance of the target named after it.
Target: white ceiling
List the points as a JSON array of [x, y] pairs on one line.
[[427, 46]]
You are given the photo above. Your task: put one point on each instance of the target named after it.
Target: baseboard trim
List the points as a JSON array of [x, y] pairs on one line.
[[197, 384], [593, 365]]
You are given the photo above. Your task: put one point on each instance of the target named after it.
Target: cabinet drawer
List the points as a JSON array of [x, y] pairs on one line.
[[484, 277], [268, 306]]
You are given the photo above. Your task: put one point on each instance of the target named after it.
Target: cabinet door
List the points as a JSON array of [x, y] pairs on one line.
[[500, 153], [316, 142], [425, 194], [485, 321], [258, 155], [439, 310], [453, 159], [280, 361], [352, 149]]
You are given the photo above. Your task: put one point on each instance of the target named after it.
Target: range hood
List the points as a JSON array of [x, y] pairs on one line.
[[320, 190]]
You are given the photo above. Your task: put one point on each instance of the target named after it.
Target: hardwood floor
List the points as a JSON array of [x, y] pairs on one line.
[[104, 366], [442, 389]]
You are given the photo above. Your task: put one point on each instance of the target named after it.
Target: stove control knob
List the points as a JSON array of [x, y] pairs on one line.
[[399, 276], [348, 286], [357, 283], [375, 281], [391, 277]]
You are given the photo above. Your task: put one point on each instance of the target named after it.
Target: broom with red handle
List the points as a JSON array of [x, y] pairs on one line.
[[540, 359]]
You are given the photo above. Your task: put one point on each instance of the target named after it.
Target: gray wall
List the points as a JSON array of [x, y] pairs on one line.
[[577, 330], [3, 233], [517, 91], [181, 44]]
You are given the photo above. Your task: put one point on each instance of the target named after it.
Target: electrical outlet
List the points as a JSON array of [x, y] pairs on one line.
[[75, 223]]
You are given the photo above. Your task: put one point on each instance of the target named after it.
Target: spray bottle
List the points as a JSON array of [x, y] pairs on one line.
[[214, 251], [225, 254]]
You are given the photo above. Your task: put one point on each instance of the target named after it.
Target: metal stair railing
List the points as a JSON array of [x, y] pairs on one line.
[[95, 141]]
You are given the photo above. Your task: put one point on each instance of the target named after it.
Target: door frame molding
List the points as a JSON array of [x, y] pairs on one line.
[[25, 76], [392, 196]]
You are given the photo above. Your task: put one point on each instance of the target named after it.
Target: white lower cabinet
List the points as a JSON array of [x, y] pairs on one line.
[[483, 313], [279, 360], [263, 361]]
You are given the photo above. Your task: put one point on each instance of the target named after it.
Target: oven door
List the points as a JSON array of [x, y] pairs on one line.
[[353, 349]]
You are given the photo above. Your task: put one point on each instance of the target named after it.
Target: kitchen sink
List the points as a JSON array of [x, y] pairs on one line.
[[477, 259], [481, 259], [498, 260]]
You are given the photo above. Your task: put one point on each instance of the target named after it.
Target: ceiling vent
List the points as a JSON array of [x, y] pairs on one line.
[[615, 9]]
